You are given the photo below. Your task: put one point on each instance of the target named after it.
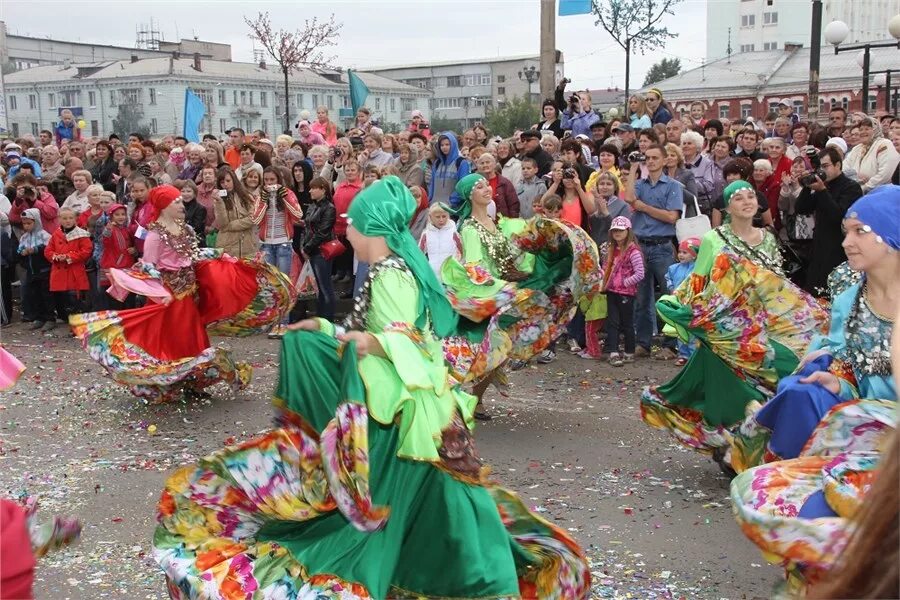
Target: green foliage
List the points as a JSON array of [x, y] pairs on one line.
[[437, 124], [667, 67], [129, 119], [518, 113]]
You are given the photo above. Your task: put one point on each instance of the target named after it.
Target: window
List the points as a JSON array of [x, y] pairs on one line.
[[130, 96], [223, 125], [52, 100], [798, 107], [32, 101], [153, 98], [264, 125], [68, 98], [747, 47], [501, 90], [770, 46], [92, 98], [845, 103], [15, 129], [748, 20], [773, 106], [243, 97], [345, 102], [873, 103], [377, 103], [299, 100], [501, 78], [264, 99], [453, 81], [486, 79], [746, 110], [329, 102], [447, 103], [481, 101], [234, 97], [420, 82], [153, 126], [221, 97], [770, 18], [724, 111], [12, 103], [112, 97], [95, 127], [34, 129], [393, 104], [251, 98], [315, 100], [407, 104]]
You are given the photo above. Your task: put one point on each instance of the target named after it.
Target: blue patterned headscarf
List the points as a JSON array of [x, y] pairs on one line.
[[879, 212]]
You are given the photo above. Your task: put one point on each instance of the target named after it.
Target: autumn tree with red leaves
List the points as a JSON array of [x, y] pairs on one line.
[[294, 49]]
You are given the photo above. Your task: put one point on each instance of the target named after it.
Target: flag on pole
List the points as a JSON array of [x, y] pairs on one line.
[[358, 91], [194, 111], [574, 7]]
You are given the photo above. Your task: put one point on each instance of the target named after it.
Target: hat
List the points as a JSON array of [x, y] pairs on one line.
[[581, 136], [690, 245], [416, 113], [114, 207], [597, 125], [530, 134], [13, 153], [161, 197], [733, 188], [878, 213], [838, 143], [620, 224], [302, 123], [13, 146], [623, 127], [784, 102], [267, 141]]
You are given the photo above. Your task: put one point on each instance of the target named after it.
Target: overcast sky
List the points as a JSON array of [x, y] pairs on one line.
[[374, 33]]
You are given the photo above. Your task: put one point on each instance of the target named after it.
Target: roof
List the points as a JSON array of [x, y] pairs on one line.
[[449, 63], [184, 67], [762, 72]]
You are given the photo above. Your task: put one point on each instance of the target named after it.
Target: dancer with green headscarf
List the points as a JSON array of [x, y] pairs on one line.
[[752, 322], [370, 486]]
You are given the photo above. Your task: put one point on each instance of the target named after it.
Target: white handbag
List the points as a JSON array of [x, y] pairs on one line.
[[689, 227]]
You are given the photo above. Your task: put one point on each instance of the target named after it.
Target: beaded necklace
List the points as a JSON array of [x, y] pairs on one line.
[[868, 335], [358, 317], [496, 246], [183, 243]]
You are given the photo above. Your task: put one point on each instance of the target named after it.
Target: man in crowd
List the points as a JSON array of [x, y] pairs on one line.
[[748, 145], [531, 143], [233, 153], [674, 129], [656, 202], [625, 133], [46, 138]]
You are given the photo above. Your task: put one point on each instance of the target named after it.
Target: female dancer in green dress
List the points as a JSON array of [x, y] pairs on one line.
[[370, 487]]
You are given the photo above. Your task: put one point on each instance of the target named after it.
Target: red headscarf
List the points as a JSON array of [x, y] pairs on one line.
[[161, 197]]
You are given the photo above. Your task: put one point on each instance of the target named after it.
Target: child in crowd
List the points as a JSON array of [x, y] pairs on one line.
[[531, 189], [36, 285], [68, 251], [118, 250], [623, 272], [675, 275], [371, 174], [440, 240], [142, 212], [194, 212]]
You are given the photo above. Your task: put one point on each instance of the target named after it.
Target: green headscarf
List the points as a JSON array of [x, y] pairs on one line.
[[464, 190], [384, 209], [733, 188]]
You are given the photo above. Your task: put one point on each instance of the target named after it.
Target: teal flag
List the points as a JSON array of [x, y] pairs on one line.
[[574, 7], [194, 111], [358, 91]]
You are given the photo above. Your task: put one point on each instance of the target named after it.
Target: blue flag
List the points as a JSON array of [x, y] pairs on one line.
[[574, 7], [358, 91], [194, 111]]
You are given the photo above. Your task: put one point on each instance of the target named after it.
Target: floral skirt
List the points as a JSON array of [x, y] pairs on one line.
[[322, 507]]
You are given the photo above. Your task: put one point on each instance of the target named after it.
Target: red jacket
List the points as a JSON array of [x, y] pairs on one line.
[[292, 214], [505, 196], [46, 204], [116, 242], [343, 196], [65, 276]]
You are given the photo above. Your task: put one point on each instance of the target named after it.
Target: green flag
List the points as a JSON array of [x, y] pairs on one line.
[[358, 91]]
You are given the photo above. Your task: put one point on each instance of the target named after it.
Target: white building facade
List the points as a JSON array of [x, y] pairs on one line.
[[756, 25], [152, 91]]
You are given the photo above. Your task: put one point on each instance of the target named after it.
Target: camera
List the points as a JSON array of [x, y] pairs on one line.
[[637, 156], [570, 173], [810, 178], [28, 192], [222, 193], [337, 152], [812, 154], [574, 99]]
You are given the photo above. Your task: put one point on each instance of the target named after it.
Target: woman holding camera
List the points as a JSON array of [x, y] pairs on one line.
[[578, 115], [233, 209], [578, 204], [551, 120]]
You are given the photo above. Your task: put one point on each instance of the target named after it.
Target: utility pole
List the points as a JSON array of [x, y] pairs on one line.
[[627, 69], [548, 48], [815, 53]]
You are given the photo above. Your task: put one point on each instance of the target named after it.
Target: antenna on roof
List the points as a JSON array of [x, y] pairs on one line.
[[147, 36]]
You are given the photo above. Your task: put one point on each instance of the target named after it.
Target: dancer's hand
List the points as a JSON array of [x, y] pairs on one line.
[[304, 325], [813, 356], [366, 343], [826, 380]]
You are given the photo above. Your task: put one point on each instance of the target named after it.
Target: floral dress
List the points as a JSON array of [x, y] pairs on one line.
[[369, 486]]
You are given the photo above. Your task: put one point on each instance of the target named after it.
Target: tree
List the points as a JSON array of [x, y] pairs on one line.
[[294, 49], [518, 113], [667, 67], [633, 24], [128, 120], [440, 123]]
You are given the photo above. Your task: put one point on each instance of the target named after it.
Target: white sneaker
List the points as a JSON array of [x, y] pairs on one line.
[[615, 359], [547, 357]]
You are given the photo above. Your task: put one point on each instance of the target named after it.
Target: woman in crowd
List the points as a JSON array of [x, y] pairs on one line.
[[301, 176], [510, 166], [325, 126], [702, 167], [136, 153], [157, 171], [252, 181], [105, 166], [185, 287], [873, 158], [214, 155], [578, 204], [827, 426], [196, 158], [408, 167], [551, 145], [607, 198], [550, 122], [389, 145], [674, 169], [638, 115], [207, 192], [276, 214], [506, 201], [579, 116], [78, 200], [771, 188], [660, 112], [361, 530], [572, 153], [233, 210], [752, 323], [318, 228], [318, 156]]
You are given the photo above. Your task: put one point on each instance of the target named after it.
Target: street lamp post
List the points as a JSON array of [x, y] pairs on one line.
[[883, 79], [530, 74], [837, 31]]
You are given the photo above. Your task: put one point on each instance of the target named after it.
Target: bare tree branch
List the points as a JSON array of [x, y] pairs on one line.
[[635, 20], [300, 48]]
